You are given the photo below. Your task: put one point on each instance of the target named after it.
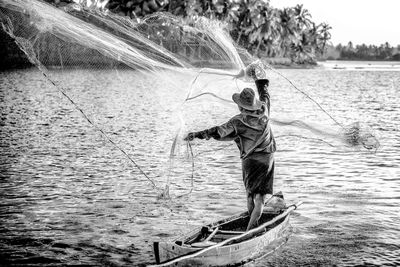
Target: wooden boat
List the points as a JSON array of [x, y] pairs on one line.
[[225, 242]]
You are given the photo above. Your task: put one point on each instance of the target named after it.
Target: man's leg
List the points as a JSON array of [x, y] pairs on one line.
[[257, 211], [250, 203]]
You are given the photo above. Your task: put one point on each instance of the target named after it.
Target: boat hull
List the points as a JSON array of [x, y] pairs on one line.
[[228, 255]]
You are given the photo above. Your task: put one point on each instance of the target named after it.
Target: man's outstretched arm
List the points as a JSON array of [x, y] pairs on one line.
[[223, 132]]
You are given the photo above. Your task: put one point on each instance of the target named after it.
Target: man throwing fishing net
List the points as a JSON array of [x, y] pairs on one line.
[[252, 133]]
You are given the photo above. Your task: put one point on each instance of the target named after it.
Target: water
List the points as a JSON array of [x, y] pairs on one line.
[[362, 65], [70, 198]]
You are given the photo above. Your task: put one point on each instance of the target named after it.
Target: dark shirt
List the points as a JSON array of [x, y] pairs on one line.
[[250, 130]]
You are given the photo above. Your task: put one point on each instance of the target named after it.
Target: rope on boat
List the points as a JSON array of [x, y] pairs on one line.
[[226, 242], [295, 205]]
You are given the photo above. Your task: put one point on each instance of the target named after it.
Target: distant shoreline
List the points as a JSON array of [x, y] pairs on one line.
[[14, 58], [330, 64]]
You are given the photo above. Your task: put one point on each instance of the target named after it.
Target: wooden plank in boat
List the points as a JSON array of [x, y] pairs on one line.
[[227, 253]]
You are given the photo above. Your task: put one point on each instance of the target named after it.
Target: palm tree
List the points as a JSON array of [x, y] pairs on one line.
[[254, 24], [288, 35], [323, 36], [271, 31], [302, 17], [255, 37], [240, 14]]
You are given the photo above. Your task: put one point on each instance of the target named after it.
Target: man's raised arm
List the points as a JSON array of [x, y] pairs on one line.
[[262, 87]]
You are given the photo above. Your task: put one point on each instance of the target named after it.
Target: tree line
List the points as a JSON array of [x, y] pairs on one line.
[[261, 29], [364, 52]]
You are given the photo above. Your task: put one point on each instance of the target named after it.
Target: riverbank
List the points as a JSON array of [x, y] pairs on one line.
[[14, 58], [54, 52]]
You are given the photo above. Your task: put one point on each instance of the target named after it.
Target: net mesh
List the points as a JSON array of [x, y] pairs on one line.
[[177, 73]]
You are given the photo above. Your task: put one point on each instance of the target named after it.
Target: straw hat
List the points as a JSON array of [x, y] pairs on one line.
[[247, 99]]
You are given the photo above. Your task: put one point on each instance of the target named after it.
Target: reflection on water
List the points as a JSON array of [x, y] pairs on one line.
[[69, 197]]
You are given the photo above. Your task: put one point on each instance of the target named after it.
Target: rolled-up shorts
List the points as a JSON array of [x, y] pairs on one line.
[[258, 173]]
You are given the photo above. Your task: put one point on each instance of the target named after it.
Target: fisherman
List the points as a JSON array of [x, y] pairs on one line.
[[252, 133]]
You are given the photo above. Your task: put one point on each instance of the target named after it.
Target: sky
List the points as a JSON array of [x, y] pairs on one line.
[[360, 21]]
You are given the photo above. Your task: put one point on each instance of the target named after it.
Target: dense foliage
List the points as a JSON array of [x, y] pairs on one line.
[[364, 52], [263, 30]]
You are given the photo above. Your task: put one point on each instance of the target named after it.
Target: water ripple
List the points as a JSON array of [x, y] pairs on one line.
[[69, 198]]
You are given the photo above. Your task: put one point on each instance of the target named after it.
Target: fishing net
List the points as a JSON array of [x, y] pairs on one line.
[[152, 80]]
